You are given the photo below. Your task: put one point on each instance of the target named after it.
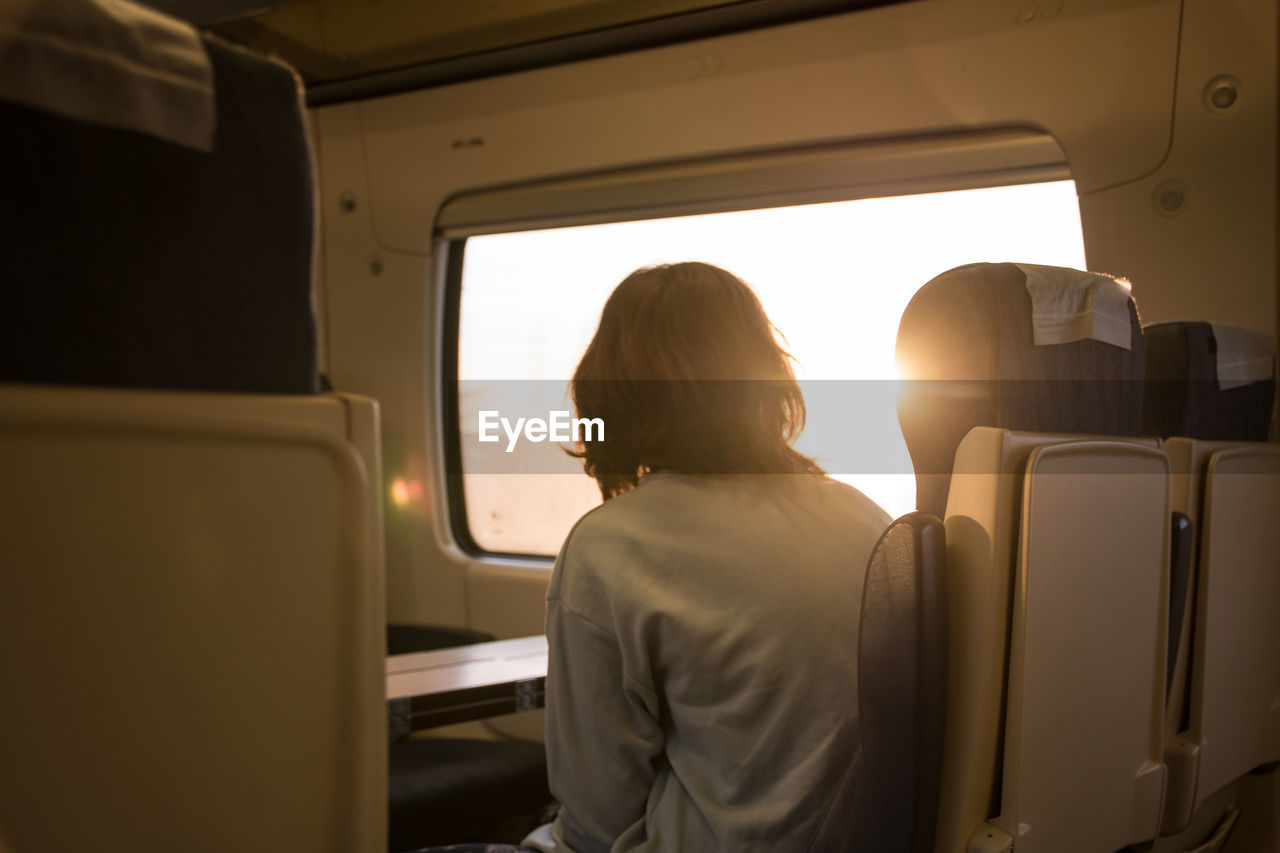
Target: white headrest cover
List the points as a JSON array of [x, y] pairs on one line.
[[109, 62], [1069, 305], [1244, 356]]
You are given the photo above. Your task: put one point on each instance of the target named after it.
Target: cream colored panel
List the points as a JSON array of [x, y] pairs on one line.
[[982, 518], [364, 431], [51, 401], [880, 73], [1198, 235], [190, 626], [1251, 554], [1085, 709], [981, 521], [382, 329], [1236, 683]]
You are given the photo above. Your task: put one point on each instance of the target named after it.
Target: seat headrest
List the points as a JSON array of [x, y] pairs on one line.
[[111, 63], [1208, 381], [140, 260], [1016, 346]]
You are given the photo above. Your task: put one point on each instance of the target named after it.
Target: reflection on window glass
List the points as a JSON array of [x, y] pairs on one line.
[[834, 278]]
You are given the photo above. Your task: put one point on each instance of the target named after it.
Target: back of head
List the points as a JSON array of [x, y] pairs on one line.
[[687, 373]]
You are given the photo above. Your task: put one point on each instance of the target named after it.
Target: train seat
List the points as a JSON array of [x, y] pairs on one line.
[[889, 797], [456, 790], [446, 790], [152, 256], [1208, 381], [190, 625], [1058, 557], [168, 221], [1210, 391], [1224, 713], [191, 608], [1058, 553], [967, 343]]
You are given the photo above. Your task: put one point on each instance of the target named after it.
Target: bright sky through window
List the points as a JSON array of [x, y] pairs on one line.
[[834, 278]]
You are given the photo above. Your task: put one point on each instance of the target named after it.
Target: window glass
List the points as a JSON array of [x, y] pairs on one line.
[[834, 278]]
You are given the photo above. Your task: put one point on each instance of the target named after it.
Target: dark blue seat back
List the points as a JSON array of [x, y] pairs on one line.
[[136, 262], [888, 800], [1184, 396]]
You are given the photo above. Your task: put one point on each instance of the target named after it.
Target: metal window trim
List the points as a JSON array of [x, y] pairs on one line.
[[832, 172]]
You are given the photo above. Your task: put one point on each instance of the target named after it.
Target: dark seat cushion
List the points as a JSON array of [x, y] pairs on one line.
[[134, 262], [888, 800], [1183, 396], [445, 790]]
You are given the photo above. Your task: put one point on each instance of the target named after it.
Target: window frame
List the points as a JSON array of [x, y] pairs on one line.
[[856, 170]]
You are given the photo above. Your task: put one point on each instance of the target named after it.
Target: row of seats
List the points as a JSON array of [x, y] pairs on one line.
[[1112, 657], [968, 343]]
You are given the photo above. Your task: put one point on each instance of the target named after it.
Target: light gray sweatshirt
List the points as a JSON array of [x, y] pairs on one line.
[[702, 684]]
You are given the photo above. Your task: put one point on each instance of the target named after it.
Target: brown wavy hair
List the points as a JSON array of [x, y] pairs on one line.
[[688, 376]]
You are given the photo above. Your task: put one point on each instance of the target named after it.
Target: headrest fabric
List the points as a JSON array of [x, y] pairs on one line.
[[1208, 381], [1069, 305], [1244, 356], [108, 62], [966, 345], [136, 262]]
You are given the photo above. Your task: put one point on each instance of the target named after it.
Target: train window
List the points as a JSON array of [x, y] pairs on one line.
[[834, 277]]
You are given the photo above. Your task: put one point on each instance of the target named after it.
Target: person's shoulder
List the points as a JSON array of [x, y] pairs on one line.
[[608, 549], [610, 519], [624, 512]]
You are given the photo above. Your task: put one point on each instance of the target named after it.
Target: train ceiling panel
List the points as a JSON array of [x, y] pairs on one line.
[[392, 45]]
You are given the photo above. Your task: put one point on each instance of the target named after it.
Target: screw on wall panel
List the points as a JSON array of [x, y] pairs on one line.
[[347, 201], [375, 264], [1222, 93], [1170, 197]]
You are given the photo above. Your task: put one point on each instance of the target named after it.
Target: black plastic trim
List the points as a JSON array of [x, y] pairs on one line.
[[1180, 606], [455, 250], [455, 496]]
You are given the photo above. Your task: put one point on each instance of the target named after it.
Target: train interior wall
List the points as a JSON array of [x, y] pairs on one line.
[[1175, 193]]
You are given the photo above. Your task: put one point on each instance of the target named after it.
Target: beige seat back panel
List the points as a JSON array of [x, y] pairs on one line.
[[189, 616], [982, 518], [1085, 711], [1235, 690]]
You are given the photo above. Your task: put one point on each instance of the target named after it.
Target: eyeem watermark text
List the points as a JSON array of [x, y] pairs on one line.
[[558, 426]]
